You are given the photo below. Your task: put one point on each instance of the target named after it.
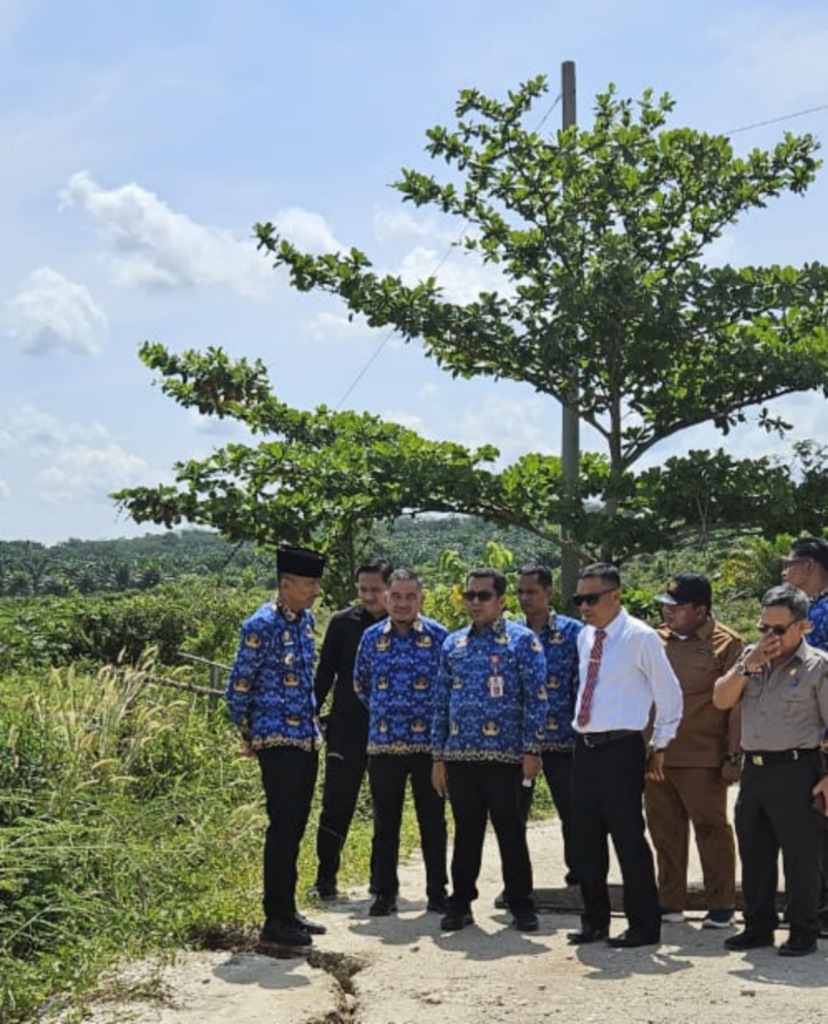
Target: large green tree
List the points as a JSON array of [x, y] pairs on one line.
[[601, 235]]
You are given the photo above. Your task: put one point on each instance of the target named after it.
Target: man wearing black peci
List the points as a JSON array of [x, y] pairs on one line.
[[346, 733], [623, 672]]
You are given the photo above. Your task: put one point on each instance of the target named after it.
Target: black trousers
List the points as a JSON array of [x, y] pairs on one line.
[[345, 764], [607, 792], [773, 813], [479, 790], [557, 770], [388, 774], [288, 777]]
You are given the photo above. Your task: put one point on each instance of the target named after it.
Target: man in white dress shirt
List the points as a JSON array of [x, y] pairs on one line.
[[623, 672]]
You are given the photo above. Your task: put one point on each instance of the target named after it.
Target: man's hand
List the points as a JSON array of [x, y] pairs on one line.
[[731, 771], [245, 749], [532, 764], [821, 788], [655, 766], [439, 778]]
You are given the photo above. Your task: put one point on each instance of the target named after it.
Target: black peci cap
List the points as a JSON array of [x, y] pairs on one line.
[[299, 562]]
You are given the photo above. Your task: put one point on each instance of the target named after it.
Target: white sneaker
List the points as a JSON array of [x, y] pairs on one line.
[[718, 919], [672, 916]]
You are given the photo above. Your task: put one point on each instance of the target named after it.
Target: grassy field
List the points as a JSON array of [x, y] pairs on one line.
[[126, 825]]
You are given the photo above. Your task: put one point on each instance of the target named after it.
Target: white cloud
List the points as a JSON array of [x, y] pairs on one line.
[[157, 248], [51, 312], [335, 327], [462, 276], [308, 230], [86, 472], [40, 433], [5, 490], [391, 223], [428, 391]]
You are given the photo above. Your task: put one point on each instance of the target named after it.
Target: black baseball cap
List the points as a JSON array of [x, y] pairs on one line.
[[687, 588]]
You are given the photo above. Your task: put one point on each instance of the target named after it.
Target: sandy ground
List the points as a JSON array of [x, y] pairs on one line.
[[402, 970]]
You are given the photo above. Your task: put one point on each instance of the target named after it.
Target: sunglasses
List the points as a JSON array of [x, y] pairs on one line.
[[776, 630], [478, 595], [580, 599]]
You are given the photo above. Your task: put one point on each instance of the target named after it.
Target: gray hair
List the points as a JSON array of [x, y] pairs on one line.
[[786, 596]]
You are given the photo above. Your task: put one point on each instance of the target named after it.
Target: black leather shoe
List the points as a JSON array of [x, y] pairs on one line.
[[284, 933], [437, 904], [454, 920], [311, 927], [748, 940], [823, 925], [324, 891], [798, 945], [632, 938], [383, 906], [500, 901], [586, 935], [526, 922]]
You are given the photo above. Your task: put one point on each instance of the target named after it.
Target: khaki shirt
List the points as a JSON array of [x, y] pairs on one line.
[[786, 708], [698, 660]]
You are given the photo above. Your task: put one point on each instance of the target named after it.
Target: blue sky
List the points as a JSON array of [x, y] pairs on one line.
[[142, 141]]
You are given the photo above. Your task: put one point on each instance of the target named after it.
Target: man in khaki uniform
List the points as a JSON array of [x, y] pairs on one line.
[[701, 761], [782, 686]]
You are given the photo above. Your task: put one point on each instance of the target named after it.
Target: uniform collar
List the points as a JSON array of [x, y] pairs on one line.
[[550, 626], [287, 612], [704, 632], [498, 628], [417, 626]]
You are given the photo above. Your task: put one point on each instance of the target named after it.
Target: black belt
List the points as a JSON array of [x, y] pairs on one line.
[[763, 758], [598, 739]]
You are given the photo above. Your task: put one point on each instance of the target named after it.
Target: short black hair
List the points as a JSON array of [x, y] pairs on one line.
[[603, 571], [543, 573], [496, 576], [379, 567], [814, 548], [785, 596], [405, 574]]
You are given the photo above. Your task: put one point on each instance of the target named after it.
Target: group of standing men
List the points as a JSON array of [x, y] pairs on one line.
[[475, 716]]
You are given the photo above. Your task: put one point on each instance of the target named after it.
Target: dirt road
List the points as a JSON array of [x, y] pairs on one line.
[[401, 970]]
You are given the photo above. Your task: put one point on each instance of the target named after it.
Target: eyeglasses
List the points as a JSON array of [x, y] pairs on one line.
[[478, 595], [788, 562], [764, 628], [580, 599]]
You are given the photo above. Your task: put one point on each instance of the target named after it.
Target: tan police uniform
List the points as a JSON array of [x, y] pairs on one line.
[[784, 717]]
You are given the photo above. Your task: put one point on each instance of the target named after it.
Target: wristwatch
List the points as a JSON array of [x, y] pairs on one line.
[[741, 667]]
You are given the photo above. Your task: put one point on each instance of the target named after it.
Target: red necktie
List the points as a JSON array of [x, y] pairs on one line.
[[591, 678]]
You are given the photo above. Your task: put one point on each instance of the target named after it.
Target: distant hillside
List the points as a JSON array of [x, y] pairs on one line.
[[28, 569]]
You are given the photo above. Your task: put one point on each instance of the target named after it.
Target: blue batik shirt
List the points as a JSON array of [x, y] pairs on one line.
[[270, 688], [394, 677], [560, 645], [491, 701], [818, 614]]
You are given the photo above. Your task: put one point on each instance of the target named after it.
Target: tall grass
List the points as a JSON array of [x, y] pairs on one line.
[[127, 825]]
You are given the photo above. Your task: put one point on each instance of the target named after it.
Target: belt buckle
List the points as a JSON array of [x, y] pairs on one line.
[[757, 759], [588, 740]]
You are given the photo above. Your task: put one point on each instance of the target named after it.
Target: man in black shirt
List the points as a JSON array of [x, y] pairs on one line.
[[346, 731]]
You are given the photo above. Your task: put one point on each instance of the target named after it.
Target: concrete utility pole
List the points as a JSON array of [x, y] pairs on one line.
[[570, 440]]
